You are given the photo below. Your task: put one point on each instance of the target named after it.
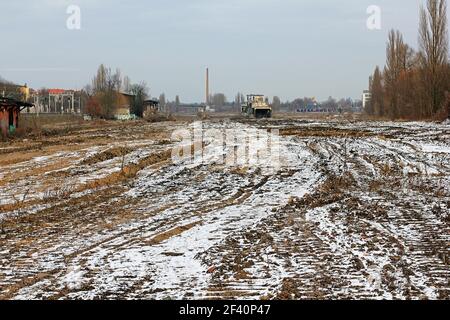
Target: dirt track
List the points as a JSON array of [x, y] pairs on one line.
[[357, 210]]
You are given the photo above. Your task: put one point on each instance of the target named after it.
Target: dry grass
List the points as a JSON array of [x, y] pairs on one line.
[[325, 132], [171, 233], [159, 117], [127, 172], [107, 155]]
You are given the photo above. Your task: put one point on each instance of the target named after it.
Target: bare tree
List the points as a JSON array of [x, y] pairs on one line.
[[330, 104], [140, 94], [106, 87], [117, 80], [162, 101], [238, 101], [376, 105], [276, 103], [414, 85], [99, 81], [219, 99], [126, 84], [397, 62], [433, 43]]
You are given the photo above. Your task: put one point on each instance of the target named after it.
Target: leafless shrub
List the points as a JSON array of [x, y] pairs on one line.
[[122, 166], [158, 117], [19, 202]]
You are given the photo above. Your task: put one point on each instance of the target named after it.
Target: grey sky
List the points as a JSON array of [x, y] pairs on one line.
[[290, 48]]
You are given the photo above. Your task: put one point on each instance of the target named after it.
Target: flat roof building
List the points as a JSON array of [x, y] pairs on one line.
[[366, 97]]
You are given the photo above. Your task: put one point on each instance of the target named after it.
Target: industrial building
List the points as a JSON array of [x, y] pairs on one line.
[[151, 106], [56, 101], [10, 114], [123, 107]]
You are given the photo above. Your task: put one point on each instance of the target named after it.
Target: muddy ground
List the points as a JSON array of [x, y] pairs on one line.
[[357, 210]]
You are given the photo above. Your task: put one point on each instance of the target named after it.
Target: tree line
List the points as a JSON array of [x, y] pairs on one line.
[[107, 91], [415, 85], [10, 89]]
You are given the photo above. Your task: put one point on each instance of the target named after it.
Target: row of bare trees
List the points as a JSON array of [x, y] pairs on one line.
[[415, 85]]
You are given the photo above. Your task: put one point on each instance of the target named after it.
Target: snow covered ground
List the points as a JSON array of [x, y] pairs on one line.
[[355, 210]]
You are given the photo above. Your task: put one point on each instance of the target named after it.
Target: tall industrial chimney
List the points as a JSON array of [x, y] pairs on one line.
[[207, 87]]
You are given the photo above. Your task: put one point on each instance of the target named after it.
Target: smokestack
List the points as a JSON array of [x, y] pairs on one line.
[[207, 87]]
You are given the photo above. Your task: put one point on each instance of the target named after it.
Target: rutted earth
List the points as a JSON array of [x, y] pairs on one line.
[[356, 210]]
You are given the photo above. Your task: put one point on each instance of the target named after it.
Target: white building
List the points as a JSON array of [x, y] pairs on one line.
[[366, 98], [55, 101]]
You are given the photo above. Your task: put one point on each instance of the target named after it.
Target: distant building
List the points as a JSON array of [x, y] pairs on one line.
[[366, 97], [24, 92], [310, 106], [123, 109], [209, 109], [151, 106], [10, 114], [55, 101], [187, 109]]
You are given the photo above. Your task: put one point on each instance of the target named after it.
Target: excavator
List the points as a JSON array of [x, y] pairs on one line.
[[257, 107]]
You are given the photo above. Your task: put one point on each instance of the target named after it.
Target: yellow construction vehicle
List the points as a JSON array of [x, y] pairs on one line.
[[257, 107]]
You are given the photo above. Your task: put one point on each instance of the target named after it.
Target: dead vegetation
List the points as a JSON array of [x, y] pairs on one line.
[[325, 132], [159, 117], [107, 155], [127, 171]]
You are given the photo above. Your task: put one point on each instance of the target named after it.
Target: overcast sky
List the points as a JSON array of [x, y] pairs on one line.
[[289, 48]]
